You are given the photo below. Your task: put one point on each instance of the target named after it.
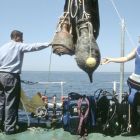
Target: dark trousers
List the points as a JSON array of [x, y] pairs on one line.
[[134, 113], [136, 102], [9, 101]]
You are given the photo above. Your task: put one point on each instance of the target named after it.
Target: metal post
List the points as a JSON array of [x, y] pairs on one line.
[[122, 55], [62, 90], [114, 87]]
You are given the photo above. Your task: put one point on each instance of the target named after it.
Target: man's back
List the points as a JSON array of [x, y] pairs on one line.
[[11, 57]]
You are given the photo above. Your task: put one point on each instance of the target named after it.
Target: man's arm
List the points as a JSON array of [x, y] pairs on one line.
[[33, 47]]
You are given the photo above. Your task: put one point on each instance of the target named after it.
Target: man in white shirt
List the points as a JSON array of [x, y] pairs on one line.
[[11, 59]]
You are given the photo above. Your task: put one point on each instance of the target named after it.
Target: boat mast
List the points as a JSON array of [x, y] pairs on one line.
[[122, 55]]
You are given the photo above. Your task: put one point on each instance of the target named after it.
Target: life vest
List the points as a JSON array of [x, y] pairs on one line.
[[134, 88]]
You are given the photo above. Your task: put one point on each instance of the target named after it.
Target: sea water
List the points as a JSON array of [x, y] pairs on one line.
[[74, 82]]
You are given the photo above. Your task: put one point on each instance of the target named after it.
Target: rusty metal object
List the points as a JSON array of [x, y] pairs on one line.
[[63, 39]]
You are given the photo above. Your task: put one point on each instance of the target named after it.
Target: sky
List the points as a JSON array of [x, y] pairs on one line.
[[38, 19]]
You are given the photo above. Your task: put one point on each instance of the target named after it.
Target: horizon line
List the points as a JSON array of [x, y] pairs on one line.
[[71, 71]]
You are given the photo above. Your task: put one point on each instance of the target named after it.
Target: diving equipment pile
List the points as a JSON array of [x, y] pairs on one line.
[[79, 114], [101, 112]]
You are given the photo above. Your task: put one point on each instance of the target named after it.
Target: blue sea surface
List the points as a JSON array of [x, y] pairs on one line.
[[74, 82]]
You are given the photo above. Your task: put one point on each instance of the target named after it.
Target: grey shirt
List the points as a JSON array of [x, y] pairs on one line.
[[12, 53]]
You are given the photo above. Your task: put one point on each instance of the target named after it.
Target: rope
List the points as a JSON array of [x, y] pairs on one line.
[[28, 82], [49, 72], [85, 14], [25, 112], [109, 119], [76, 11], [120, 18], [130, 39], [116, 10], [90, 34], [65, 15]]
